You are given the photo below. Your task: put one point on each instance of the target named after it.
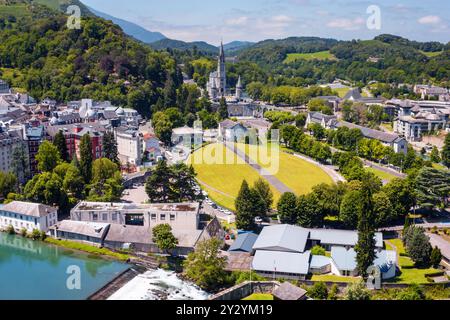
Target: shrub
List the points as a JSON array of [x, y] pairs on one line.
[[357, 291], [414, 292], [237, 277], [333, 293], [10, 229], [35, 234], [318, 291], [23, 232], [318, 251], [435, 257]]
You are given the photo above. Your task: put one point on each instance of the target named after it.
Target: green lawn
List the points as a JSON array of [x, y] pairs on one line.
[[225, 175], [388, 126], [322, 55], [297, 174], [409, 274], [342, 91], [333, 278], [388, 246], [431, 54], [259, 296], [381, 174], [18, 10]]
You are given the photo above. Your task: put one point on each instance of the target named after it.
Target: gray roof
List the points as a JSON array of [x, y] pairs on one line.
[[278, 261], [282, 238], [370, 133], [318, 262], [385, 260], [244, 242], [288, 292], [344, 259], [29, 208], [91, 229], [341, 237]]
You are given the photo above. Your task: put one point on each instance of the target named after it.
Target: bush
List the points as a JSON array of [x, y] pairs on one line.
[[414, 292], [237, 277], [35, 234], [10, 229], [318, 291], [333, 293], [357, 291], [23, 232], [435, 257], [318, 251]]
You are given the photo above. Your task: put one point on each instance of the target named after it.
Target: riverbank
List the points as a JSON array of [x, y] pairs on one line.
[[88, 248]]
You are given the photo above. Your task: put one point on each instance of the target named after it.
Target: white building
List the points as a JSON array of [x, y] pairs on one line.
[[129, 146], [28, 215], [232, 131], [187, 136]]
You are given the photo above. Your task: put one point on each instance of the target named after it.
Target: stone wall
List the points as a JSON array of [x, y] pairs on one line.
[[245, 289]]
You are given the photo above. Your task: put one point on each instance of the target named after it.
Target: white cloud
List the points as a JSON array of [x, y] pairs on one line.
[[430, 20], [346, 24], [239, 21]]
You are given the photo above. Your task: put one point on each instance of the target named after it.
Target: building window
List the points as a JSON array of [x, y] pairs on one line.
[[153, 216], [162, 217], [172, 217], [95, 217], [134, 219], [104, 216], [114, 216]]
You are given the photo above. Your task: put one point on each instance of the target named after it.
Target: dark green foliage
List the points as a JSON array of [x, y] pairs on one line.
[[318, 251], [287, 208], [164, 238], [446, 151], [110, 147], [60, 143], [309, 213], [418, 246], [86, 158], [248, 204], [435, 257], [318, 291], [262, 188], [8, 184], [432, 187]]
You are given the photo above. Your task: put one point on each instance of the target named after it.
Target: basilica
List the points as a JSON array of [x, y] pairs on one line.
[[217, 84]]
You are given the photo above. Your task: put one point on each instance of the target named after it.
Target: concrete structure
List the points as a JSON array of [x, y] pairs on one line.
[[131, 224], [428, 91], [414, 126], [86, 232], [187, 136], [9, 140], [355, 96], [28, 215], [129, 145]]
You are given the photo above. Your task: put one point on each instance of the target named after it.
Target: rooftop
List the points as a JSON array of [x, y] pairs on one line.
[[244, 242], [370, 133], [29, 208], [288, 292], [107, 206], [282, 237], [279, 261]]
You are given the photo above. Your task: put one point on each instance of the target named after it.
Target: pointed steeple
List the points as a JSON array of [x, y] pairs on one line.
[[222, 52], [239, 83]]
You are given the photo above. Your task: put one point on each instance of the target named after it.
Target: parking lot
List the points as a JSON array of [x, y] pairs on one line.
[[136, 194]]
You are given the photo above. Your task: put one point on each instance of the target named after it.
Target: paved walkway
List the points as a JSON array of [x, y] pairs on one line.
[[441, 243], [277, 184]]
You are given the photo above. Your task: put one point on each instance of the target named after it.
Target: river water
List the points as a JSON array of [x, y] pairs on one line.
[[159, 285]]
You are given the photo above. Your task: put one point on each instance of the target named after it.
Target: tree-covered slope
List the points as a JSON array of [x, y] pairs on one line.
[[98, 61], [201, 46]]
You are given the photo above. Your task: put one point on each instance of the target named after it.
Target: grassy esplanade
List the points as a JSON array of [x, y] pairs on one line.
[[221, 172], [87, 248], [297, 174]]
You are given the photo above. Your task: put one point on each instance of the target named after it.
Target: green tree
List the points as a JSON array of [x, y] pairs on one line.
[[310, 214], [223, 109], [318, 251], [435, 156], [60, 143], [446, 151], [8, 184], [106, 183], [205, 266], [47, 157], [86, 158], [418, 246], [382, 209], [435, 257], [110, 147], [262, 187], [318, 291], [245, 214], [163, 127], [158, 185], [287, 208], [357, 291], [432, 187], [365, 247], [164, 238], [20, 166], [184, 183], [351, 209], [401, 195]]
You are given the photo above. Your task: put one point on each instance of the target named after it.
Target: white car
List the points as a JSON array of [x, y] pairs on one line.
[[258, 220]]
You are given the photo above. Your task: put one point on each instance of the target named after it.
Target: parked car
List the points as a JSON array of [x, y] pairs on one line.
[[258, 220]]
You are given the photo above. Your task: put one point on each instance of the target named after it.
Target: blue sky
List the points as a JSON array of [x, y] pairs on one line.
[[255, 20]]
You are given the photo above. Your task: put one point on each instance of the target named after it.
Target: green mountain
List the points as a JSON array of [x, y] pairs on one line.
[[61, 5], [41, 55], [202, 47]]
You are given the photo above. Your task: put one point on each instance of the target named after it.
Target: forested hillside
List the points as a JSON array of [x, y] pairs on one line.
[[386, 59], [41, 55]]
